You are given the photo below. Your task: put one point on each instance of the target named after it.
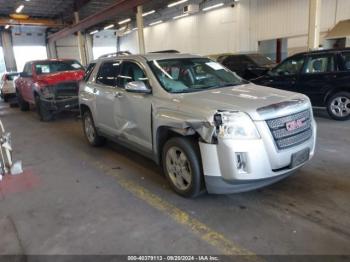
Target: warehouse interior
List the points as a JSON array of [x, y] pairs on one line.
[[72, 199]]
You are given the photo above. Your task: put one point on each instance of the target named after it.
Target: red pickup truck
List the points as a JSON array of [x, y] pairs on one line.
[[51, 85]]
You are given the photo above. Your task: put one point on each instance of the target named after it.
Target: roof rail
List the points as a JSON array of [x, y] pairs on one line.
[[120, 53], [166, 51]]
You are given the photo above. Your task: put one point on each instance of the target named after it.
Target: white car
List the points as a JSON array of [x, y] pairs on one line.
[[206, 126], [7, 87]]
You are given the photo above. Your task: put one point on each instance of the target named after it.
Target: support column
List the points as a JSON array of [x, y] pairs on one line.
[[82, 52], [9, 55], [141, 37], [88, 48], [52, 50], [314, 24]]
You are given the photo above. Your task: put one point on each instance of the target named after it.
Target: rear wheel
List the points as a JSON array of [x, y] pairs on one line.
[[6, 98], [182, 166], [90, 131], [23, 105], [338, 106], [44, 113]]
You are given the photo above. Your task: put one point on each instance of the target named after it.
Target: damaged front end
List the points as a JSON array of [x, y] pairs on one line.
[[7, 166], [60, 97]]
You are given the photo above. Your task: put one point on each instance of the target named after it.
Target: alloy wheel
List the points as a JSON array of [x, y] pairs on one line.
[[340, 106], [179, 168]]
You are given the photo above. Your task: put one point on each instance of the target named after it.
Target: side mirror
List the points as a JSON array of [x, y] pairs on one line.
[[23, 74], [137, 87]]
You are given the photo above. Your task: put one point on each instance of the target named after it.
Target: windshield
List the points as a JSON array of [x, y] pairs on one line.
[[11, 77], [49, 67], [261, 60], [192, 75]]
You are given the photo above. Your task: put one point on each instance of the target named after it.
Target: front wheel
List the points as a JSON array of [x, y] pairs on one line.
[[182, 166], [44, 113], [338, 106], [90, 130]]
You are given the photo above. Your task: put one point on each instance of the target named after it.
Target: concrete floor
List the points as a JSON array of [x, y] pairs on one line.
[[75, 199]]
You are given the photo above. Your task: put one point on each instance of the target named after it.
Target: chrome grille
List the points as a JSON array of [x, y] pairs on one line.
[[285, 138]]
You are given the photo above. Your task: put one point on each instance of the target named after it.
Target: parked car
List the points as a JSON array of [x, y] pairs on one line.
[[208, 128], [51, 85], [247, 66], [324, 76], [7, 89]]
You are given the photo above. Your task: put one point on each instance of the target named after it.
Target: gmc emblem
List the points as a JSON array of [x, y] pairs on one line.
[[296, 124]]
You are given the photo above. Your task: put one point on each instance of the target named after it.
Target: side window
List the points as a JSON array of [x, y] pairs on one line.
[[89, 71], [319, 64], [290, 66], [132, 72], [346, 59], [28, 69], [108, 73]]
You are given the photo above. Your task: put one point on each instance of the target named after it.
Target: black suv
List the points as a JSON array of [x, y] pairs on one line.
[[324, 76], [247, 66]]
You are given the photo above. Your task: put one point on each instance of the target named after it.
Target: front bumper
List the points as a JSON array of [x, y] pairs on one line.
[[62, 104], [264, 164]]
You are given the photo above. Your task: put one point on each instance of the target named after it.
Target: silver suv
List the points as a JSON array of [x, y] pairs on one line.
[[207, 127]]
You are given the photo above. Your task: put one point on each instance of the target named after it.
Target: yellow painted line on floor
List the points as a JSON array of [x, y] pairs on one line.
[[215, 239]]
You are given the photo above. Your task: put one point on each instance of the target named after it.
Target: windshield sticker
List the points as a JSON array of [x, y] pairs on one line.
[[215, 66]]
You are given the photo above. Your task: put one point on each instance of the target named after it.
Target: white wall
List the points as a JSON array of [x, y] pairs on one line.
[[240, 28], [104, 42]]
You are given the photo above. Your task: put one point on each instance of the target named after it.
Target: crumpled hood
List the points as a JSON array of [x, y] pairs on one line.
[[259, 102], [65, 76]]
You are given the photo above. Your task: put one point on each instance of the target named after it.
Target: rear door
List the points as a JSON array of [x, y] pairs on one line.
[[318, 77], [26, 83], [285, 76], [105, 88]]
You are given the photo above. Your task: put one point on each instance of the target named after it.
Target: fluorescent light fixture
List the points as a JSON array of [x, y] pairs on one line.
[[134, 29], [108, 27], [124, 21], [212, 7], [93, 32], [156, 23], [122, 28], [127, 32], [7, 26], [148, 13], [19, 9], [177, 3], [180, 16]]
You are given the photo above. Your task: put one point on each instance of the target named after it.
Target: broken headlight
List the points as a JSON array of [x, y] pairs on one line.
[[235, 125]]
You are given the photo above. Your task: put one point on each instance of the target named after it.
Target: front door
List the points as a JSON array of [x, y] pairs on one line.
[[133, 110], [285, 76]]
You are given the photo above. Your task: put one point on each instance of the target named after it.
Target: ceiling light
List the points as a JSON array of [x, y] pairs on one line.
[[93, 32], [180, 16], [177, 3], [124, 21], [122, 28], [7, 26], [148, 13], [108, 27], [213, 6], [134, 29], [156, 23], [19, 9]]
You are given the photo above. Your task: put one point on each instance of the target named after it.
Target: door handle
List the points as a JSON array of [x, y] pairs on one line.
[[118, 95]]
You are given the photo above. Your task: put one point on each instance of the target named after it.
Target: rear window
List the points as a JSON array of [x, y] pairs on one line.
[[49, 67]]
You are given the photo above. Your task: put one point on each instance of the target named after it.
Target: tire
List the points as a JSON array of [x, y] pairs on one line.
[[44, 113], [338, 106], [23, 105], [184, 151], [90, 130], [6, 98]]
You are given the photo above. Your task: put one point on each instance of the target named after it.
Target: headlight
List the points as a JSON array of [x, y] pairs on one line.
[[48, 92], [236, 125]]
